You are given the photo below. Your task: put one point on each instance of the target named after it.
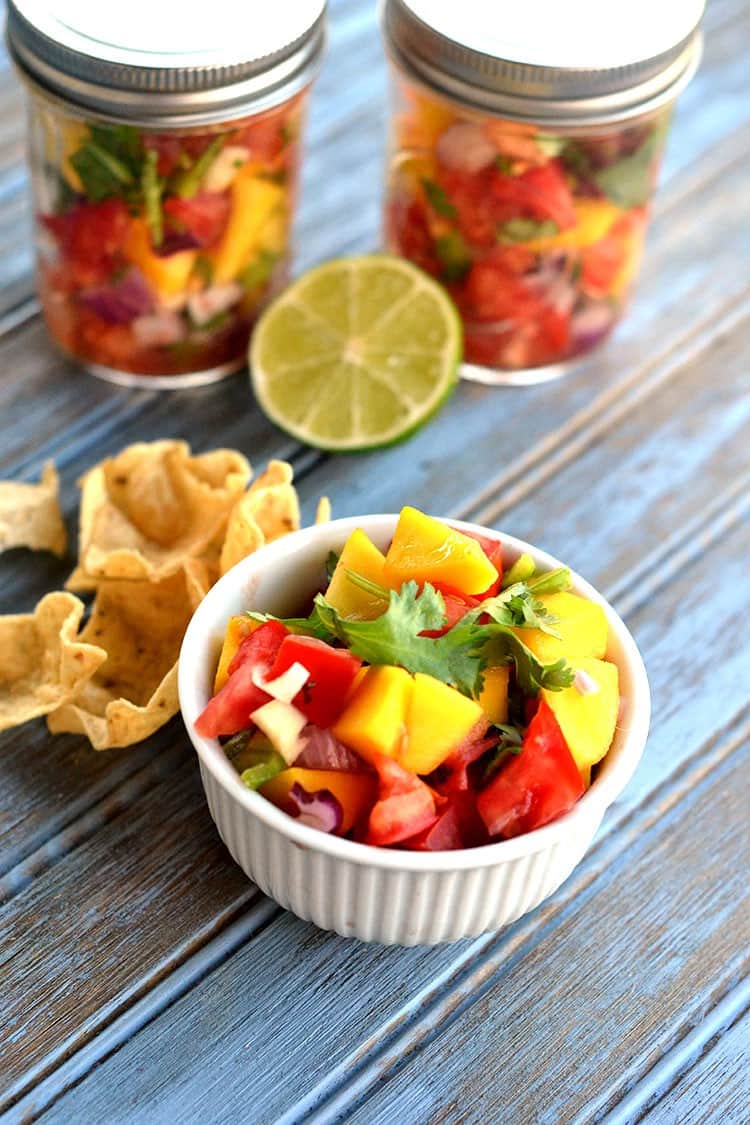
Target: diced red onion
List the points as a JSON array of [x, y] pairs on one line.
[[463, 147], [159, 329], [591, 324], [120, 301], [321, 751], [319, 810]]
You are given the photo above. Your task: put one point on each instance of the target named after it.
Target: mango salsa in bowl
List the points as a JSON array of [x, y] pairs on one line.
[[412, 709]]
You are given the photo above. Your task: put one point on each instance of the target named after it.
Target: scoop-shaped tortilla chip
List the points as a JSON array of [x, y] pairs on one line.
[[268, 510], [43, 664], [148, 510], [323, 510], [30, 514], [140, 626], [273, 501]]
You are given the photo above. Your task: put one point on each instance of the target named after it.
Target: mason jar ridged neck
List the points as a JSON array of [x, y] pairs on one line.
[[516, 61], [150, 63]]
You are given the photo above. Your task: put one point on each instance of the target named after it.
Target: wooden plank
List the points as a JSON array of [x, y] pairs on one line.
[[652, 947], [716, 1088], [214, 1040], [312, 992]]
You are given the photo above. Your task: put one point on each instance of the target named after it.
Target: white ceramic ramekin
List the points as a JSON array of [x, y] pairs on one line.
[[378, 894]]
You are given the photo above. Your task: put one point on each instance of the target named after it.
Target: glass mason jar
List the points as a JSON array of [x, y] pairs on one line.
[[164, 164], [522, 162]]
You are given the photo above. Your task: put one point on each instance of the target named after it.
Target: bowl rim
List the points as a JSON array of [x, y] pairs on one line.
[[594, 802]]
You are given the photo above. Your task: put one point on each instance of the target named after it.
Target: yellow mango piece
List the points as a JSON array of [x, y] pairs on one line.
[[581, 624], [588, 720], [355, 792], [168, 275], [594, 217], [493, 698], [437, 720], [361, 556], [374, 720], [427, 550], [238, 628], [253, 202]]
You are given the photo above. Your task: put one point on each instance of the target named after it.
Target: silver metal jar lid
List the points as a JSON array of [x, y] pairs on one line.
[[163, 63], [570, 64]]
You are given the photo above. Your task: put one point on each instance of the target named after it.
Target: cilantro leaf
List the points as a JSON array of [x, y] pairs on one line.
[[459, 656], [438, 200], [531, 675]]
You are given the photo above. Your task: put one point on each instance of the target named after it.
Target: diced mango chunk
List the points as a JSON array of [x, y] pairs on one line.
[[169, 274], [254, 201], [361, 556], [581, 625], [238, 628], [374, 720], [588, 719], [427, 550], [355, 792], [494, 695], [438, 719]]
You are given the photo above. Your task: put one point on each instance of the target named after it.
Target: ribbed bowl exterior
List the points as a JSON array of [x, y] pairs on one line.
[[383, 894], [395, 907]]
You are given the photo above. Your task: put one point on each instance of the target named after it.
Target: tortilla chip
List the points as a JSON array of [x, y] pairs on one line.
[[323, 510], [30, 514], [148, 510], [43, 664], [243, 536], [140, 626], [273, 502]]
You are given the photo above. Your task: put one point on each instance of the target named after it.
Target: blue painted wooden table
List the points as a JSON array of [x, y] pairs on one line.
[[144, 980]]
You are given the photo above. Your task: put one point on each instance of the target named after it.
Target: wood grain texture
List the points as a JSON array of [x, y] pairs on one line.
[[145, 979], [716, 1088]]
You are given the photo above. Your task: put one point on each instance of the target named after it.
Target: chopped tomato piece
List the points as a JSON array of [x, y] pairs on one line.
[[456, 607], [535, 787], [332, 672], [90, 237], [229, 711], [404, 808], [478, 742], [203, 216], [538, 193], [458, 826]]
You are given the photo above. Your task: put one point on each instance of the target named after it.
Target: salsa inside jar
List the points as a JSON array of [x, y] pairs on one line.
[[156, 250], [536, 234]]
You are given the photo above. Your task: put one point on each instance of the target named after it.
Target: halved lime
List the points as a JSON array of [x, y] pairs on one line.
[[357, 353]]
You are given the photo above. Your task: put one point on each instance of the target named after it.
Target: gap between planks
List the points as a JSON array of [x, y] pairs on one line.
[[103, 1033], [655, 1086]]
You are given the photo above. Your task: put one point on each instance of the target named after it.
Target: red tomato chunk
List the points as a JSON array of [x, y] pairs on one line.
[[332, 672]]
